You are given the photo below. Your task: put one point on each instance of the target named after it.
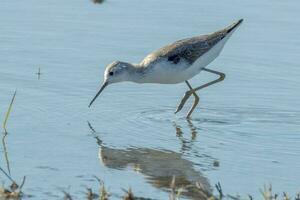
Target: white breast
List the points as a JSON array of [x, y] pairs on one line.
[[165, 72]]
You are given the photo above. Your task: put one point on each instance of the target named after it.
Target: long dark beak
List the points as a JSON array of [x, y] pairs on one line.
[[101, 89]]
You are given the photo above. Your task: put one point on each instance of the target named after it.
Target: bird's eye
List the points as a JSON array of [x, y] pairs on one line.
[[111, 73]]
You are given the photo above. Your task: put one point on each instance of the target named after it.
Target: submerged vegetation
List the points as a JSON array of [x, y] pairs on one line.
[[14, 191], [175, 194]]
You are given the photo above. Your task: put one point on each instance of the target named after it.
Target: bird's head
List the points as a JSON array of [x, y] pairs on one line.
[[115, 72]]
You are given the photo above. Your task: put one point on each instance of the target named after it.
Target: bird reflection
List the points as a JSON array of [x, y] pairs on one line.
[[159, 168], [186, 144]]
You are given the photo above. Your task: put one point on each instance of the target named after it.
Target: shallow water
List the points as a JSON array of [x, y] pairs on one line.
[[250, 123]]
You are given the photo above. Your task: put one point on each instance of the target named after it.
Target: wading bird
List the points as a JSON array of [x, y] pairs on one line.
[[174, 63]]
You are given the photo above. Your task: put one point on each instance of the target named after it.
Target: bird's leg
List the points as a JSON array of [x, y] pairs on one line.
[[196, 101], [221, 78], [186, 97], [192, 91]]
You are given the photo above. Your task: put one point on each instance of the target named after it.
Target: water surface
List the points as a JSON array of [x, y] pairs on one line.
[[249, 123]]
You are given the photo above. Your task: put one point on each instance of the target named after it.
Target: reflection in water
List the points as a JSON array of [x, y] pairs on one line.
[[158, 166], [189, 149], [5, 152], [186, 145]]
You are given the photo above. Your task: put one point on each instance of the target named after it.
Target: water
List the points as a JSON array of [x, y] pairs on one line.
[[249, 123]]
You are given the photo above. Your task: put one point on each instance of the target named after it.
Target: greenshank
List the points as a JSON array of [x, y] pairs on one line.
[[174, 63]]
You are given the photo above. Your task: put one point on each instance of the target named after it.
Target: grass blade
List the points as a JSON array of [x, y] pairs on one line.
[[8, 111]]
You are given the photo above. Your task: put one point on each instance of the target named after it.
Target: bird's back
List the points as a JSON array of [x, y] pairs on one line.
[[190, 49]]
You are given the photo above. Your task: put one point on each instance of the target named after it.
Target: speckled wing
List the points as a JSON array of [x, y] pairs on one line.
[[189, 49]]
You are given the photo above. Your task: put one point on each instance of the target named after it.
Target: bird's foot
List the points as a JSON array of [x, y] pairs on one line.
[[183, 100]]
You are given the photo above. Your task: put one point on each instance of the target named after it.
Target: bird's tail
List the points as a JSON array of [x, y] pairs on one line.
[[233, 26]]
